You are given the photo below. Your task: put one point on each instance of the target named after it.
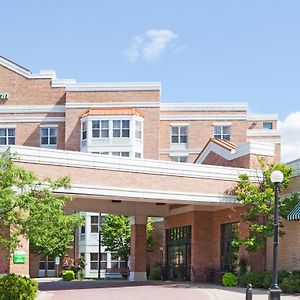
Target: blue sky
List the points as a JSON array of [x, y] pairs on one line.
[[208, 51]]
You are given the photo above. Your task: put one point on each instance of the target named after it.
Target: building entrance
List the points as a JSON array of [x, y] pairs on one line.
[[179, 253]]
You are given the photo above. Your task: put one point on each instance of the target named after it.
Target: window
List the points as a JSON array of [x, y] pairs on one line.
[[229, 253], [94, 261], [138, 130], [267, 125], [100, 129], [82, 233], [137, 155], [123, 154], [182, 159], [222, 132], [7, 136], [48, 136], [179, 134], [48, 261], [121, 128], [94, 224], [84, 131]]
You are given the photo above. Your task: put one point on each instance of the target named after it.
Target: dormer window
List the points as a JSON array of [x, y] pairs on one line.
[[100, 129], [121, 128]]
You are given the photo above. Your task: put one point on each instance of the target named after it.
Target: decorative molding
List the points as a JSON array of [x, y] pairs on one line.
[[111, 104], [262, 117], [222, 124], [204, 106], [24, 72], [175, 151], [252, 147], [122, 164], [152, 196], [264, 132], [202, 117], [22, 109], [119, 86], [31, 119], [180, 124]]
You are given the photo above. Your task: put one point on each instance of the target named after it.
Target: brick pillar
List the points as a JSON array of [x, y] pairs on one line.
[[21, 269], [138, 251]]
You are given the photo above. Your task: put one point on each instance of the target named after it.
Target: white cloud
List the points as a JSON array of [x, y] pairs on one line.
[[150, 45], [290, 148]]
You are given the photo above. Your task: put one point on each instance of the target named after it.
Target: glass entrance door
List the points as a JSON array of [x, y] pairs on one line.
[[179, 253]]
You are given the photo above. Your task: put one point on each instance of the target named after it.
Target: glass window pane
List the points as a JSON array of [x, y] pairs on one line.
[[125, 124], [105, 124], [116, 153], [175, 130], [94, 265], [125, 133], [183, 130], [53, 131], [3, 132], [268, 125], [51, 265], [93, 256], [116, 124], [183, 139], [217, 130], [96, 133], [116, 133], [53, 140], [11, 141], [104, 133], [226, 130], [11, 132], [94, 219], [44, 131], [2, 141], [96, 124], [42, 265], [174, 139], [125, 154]]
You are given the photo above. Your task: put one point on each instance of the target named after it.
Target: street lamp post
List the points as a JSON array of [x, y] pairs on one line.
[[274, 290]]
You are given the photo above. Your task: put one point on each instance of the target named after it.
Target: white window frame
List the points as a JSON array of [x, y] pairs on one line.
[[179, 158], [94, 224], [101, 129], [94, 262], [121, 129], [84, 129], [49, 128], [222, 135], [7, 136], [138, 130], [180, 135]]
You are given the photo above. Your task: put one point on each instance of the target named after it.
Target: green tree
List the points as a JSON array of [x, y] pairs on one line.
[[259, 204], [29, 208], [116, 233]]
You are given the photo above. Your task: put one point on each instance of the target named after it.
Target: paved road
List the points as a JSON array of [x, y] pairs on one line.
[[105, 290]]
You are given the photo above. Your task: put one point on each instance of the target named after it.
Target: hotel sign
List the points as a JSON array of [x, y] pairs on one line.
[[4, 96]]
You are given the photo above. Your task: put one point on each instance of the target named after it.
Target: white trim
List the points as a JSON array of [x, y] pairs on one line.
[[204, 106], [262, 117], [189, 151], [47, 126], [202, 117], [23, 72], [8, 126], [22, 109], [137, 276], [118, 86], [111, 104], [222, 124], [253, 147], [179, 124], [146, 166], [264, 132], [265, 141], [191, 207], [174, 154], [31, 119]]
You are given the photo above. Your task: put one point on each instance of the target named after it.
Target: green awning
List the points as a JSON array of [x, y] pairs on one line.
[[294, 215]]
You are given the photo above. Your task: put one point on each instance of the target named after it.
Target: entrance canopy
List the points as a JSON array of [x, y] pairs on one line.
[[135, 186]]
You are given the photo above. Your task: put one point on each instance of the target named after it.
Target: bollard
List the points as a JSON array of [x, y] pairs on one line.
[[249, 292]]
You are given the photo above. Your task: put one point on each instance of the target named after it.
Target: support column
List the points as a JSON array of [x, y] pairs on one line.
[[138, 251]]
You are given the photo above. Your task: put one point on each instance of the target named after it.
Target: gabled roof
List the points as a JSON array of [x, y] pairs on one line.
[[230, 151], [124, 111]]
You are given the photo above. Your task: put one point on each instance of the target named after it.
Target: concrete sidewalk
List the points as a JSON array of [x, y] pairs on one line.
[[151, 290]]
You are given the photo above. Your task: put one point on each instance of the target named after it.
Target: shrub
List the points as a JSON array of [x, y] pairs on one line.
[[229, 279], [267, 280], [290, 284], [155, 274], [255, 278], [68, 275], [15, 287]]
